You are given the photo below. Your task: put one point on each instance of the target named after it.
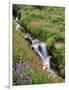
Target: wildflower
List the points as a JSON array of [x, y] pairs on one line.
[[28, 78], [19, 65]]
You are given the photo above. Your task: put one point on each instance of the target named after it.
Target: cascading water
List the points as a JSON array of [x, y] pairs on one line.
[[17, 24], [40, 48], [44, 50]]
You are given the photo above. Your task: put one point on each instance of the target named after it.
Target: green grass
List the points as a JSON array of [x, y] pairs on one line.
[[21, 48], [49, 20], [39, 78], [22, 52], [60, 59], [48, 25]]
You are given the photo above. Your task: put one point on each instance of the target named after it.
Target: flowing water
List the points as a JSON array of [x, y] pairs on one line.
[[40, 48], [17, 24]]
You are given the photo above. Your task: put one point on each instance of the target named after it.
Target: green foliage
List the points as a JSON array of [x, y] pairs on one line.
[[16, 59], [50, 22], [15, 78], [46, 24], [59, 56], [60, 36], [38, 77], [21, 49], [26, 19], [27, 72], [50, 42], [37, 31]]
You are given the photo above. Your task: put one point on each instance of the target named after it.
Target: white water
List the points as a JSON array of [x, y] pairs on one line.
[[44, 50], [43, 53], [40, 48], [17, 24], [16, 19]]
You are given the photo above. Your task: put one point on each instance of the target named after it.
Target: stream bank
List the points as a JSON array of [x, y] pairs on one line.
[[52, 64]]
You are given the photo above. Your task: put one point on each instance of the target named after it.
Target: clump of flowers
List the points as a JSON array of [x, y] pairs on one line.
[[23, 73]]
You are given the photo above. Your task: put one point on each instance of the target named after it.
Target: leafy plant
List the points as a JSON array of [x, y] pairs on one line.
[[60, 59]]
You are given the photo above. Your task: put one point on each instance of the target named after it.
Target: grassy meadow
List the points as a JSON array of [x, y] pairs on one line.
[[47, 24]]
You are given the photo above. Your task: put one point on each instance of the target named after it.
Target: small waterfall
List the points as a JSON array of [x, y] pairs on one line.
[[44, 50], [41, 49], [17, 24]]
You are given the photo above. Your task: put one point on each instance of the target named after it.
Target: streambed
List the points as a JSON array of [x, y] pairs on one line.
[[39, 47]]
